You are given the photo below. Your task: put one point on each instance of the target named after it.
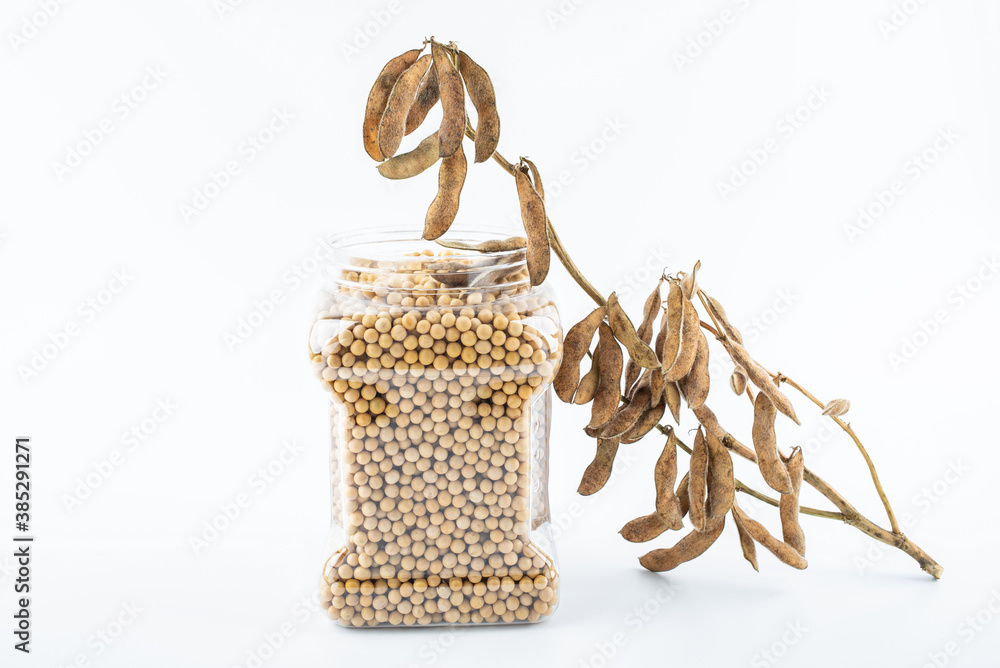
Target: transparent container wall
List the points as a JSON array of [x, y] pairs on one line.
[[439, 365]]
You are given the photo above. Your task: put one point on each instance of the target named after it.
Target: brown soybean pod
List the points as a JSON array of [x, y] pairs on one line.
[[721, 481], [452, 93], [658, 345], [587, 388], [711, 424], [643, 529], [746, 541], [766, 445], [690, 335], [405, 165], [698, 482], [638, 349], [597, 474], [783, 551], [695, 385], [683, 495], [644, 332], [442, 211], [668, 506], [393, 123], [628, 415], [575, 347], [484, 99], [788, 505], [715, 308], [837, 407], [762, 379], [609, 386], [672, 397], [427, 96], [379, 96], [656, 383], [671, 331], [687, 548], [536, 178], [647, 421], [534, 220], [689, 285], [488, 246], [738, 381]]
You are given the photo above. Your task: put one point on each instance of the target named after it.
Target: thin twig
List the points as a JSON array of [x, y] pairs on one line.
[[857, 441]]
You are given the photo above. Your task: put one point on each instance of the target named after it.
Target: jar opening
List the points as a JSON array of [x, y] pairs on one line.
[[390, 257]]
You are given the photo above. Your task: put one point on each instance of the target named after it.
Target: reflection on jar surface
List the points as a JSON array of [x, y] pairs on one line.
[[439, 364]]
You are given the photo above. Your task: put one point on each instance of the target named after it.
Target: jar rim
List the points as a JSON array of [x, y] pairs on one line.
[[388, 250]]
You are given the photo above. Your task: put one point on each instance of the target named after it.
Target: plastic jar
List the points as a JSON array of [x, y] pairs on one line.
[[439, 364]]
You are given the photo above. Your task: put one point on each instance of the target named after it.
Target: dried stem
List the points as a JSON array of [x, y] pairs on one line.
[[857, 441], [848, 513]]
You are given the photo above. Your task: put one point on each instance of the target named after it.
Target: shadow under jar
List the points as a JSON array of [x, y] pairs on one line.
[[439, 364]]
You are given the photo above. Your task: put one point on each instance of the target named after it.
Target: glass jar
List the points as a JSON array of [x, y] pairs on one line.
[[439, 364]]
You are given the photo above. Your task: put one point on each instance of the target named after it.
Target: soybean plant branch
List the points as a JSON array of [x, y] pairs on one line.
[[848, 513]]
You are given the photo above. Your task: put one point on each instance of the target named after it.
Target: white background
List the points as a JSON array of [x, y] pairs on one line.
[[596, 94]]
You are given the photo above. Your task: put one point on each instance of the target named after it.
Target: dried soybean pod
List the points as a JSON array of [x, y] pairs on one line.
[[783, 551], [379, 96], [597, 474], [644, 381], [687, 548], [648, 420], [719, 313], [405, 165], [762, 379], [644, 332], [672, 397], [533, 218], [738, 380], [711, 424], [452, 93], [695, 385], [628, 415], [609, 358], [444, 208], [746, 541], [668, 506], [788, 504], [698, 482], [587, 388], [488, 246], [575, 347], [721, 482], [643, 529], [688, 338], [670, 345], [638, 349], [536, 178], [837, 407], [480, 88], [689, 285], [683, 494], [393, 123], [425, 99], [766, 445]]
